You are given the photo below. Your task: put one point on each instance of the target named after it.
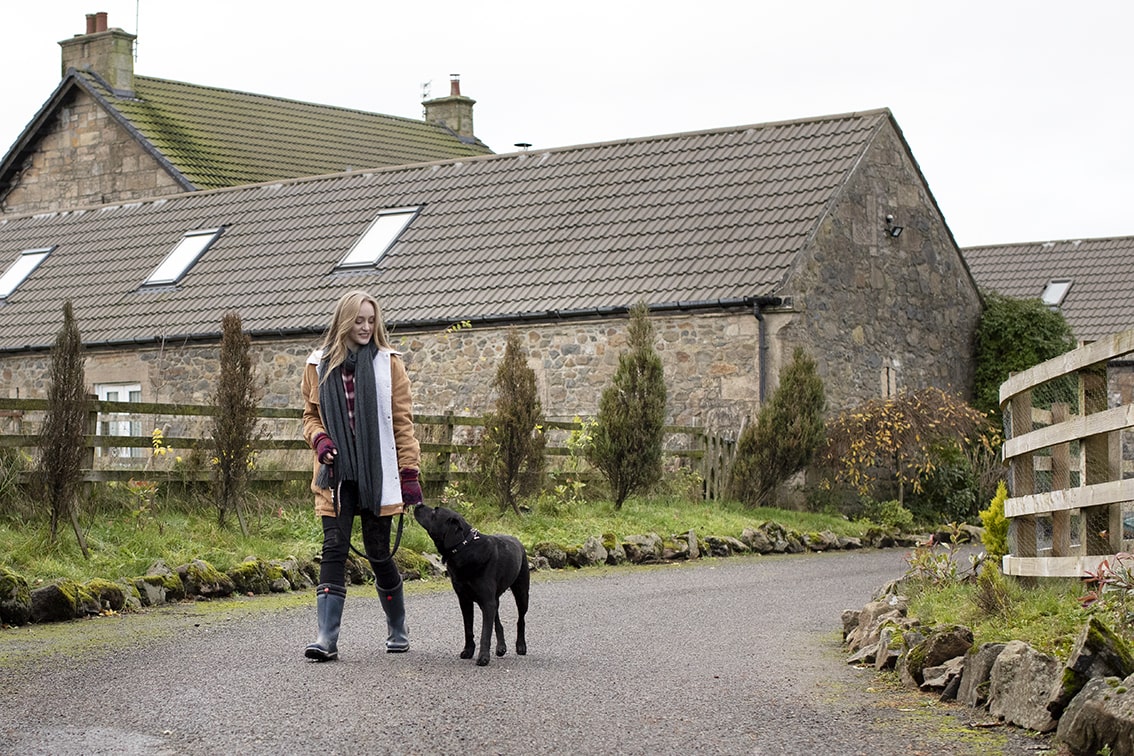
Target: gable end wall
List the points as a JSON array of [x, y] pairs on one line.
[[85, 158], [874, 306]]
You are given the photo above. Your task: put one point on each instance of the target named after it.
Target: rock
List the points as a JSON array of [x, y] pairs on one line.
[[1020, 685], [615, 554], [55, 602], [256, 576], [723, 546], [849, 542], [1098, 652], [202, 579], [941, 644], [132, 597], [975, 676], [870, 617], [297, 576], [757, 540], [436, 566], [555, 554], [822, 541], [107, 595], [943, 676], [641, 549], [590, 553], [174, 587], [151, 589], [850, 621], [1100, 716], [15, 598]]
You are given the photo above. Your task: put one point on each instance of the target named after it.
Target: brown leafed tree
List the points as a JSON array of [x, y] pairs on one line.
[[60, 466]]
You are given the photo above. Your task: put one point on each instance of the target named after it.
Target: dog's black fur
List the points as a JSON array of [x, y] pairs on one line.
[[481, 567]]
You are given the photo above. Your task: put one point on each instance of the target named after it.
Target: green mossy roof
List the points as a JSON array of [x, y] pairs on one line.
[[220, 138]]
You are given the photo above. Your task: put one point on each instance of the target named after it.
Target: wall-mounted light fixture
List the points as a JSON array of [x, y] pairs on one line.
[[891, 229]]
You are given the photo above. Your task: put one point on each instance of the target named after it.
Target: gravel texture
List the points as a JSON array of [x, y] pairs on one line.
[[720, 656]]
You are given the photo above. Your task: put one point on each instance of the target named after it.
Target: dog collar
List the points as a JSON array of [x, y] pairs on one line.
[[473, 535]]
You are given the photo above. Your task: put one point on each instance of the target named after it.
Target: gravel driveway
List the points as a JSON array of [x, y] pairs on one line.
[[730, 656]]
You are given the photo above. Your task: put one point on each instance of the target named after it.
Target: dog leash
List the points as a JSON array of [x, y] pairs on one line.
[[346, 533]]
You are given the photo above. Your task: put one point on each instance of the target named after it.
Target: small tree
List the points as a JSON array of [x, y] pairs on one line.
[[1013, 335], [785, 437], [60, 467], [900, 439], [513, 444], [626, 444], [235, 420]]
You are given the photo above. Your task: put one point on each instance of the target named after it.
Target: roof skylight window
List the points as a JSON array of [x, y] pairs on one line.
[[21, 268], [379, 237], [1055, 291], [178, 262]]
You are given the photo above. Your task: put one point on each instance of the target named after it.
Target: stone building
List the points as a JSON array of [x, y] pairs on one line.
[[746, 242], [108, 135]]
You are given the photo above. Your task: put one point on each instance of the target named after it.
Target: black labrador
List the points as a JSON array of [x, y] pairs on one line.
[[481, 567]]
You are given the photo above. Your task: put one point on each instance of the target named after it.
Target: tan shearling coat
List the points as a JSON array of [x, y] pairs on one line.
[[401, 405]]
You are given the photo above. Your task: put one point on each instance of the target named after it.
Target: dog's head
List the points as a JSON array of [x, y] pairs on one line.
[[447, 528]]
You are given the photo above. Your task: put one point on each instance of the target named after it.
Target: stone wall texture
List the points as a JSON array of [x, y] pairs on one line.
[[85, 158]]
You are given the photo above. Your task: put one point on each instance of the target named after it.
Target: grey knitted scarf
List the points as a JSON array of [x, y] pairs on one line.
[[360, 457]]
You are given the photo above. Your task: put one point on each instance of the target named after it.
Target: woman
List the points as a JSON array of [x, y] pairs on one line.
[[358, 418]]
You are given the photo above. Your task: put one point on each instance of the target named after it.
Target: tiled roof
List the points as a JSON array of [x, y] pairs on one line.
[[218, 138], [1099, 302], [697, 218]]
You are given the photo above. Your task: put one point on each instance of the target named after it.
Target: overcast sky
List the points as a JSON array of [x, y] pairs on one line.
[[1019, 113]]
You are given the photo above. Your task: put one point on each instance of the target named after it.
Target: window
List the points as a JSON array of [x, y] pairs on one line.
[[1055, 291], [379, 237], [178, 262], [19, 270], [119, 423]]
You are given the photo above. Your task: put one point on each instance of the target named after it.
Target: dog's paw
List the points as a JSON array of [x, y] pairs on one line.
[[521, 648], [467, 652], [501, 650], [482, 661]]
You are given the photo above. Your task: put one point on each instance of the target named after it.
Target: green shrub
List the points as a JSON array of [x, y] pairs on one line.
[[512, 446], [626, 441], [785, 437], [995, 535], [235, 420]]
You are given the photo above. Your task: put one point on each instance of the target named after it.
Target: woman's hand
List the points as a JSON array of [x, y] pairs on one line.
[[325, 450], [411, 486]]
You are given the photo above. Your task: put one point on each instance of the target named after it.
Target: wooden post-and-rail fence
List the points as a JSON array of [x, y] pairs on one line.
[[448, 442], [1071, 506]]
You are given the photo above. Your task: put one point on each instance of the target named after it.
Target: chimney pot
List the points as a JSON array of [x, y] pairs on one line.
[[90, 23], [100, 21], [455, 85]]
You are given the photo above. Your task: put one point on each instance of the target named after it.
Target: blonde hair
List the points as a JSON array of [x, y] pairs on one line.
[[335, 340]]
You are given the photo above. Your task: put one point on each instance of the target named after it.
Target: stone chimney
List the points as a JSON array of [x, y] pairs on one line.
[[106, 52], [454, 112]]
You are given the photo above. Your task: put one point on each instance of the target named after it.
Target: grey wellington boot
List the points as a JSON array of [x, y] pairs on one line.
[[397, 641], [329, 600]]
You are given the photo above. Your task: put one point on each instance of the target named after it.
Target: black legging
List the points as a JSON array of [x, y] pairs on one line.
[[375, 540]]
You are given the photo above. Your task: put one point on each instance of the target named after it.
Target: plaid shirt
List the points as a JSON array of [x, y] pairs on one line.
[[348, 389]]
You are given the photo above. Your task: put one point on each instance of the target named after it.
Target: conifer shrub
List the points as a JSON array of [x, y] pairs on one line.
[[60, 466], [513, 443], [234, 423], [626, 442], [995, 535], [785, 437]]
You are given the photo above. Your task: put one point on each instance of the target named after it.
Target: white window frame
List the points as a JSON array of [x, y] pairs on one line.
[[379, 236], [119, 423], [1056, 291], [22, 267], [182, 257]]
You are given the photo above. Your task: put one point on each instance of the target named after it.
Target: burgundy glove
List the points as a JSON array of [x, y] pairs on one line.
[[411, 488], [325, 449]]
